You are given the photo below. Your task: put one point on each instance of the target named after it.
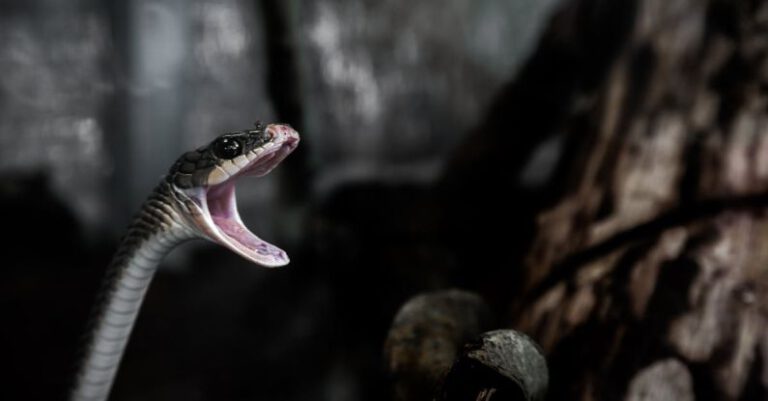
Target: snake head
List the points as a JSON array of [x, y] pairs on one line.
[[203, 181]]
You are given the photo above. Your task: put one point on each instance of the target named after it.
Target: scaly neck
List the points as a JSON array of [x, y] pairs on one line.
[[153, 233]]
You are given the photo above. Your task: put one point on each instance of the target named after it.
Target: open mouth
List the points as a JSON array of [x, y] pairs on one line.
[[221, 220]]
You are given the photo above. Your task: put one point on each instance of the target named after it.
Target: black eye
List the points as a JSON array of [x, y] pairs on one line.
[[227, 148]]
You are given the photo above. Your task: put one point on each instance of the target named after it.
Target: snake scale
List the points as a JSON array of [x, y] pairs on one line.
[[196, 199]]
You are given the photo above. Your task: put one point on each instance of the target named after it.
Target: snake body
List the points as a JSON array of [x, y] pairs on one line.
[[196, 199]]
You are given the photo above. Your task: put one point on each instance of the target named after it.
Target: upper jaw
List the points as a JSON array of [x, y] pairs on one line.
[[284, 139]]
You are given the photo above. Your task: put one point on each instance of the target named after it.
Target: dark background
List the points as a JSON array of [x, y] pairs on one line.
[[98, 98]]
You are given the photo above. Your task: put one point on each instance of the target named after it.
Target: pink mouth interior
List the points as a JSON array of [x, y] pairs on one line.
[[222, 206]]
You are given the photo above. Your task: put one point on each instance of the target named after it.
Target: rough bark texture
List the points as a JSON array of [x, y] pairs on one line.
[[647, 278]]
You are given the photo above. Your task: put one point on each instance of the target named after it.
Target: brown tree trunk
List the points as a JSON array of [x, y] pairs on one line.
[[648, 278]]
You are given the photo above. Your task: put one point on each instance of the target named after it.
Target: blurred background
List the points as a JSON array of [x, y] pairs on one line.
[[98, 98], [593, 173]]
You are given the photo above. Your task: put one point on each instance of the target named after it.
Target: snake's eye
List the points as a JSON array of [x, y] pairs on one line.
[[227, 148]]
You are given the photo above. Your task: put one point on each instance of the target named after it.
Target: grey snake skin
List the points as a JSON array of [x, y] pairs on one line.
[[195, 199]]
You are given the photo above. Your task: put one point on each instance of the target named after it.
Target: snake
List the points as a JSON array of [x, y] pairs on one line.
[[194, 200]]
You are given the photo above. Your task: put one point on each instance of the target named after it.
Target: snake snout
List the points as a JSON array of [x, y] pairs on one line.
[[284, 133]]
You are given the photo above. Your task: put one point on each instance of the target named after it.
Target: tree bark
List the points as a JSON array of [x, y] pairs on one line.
[[647, 277]]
